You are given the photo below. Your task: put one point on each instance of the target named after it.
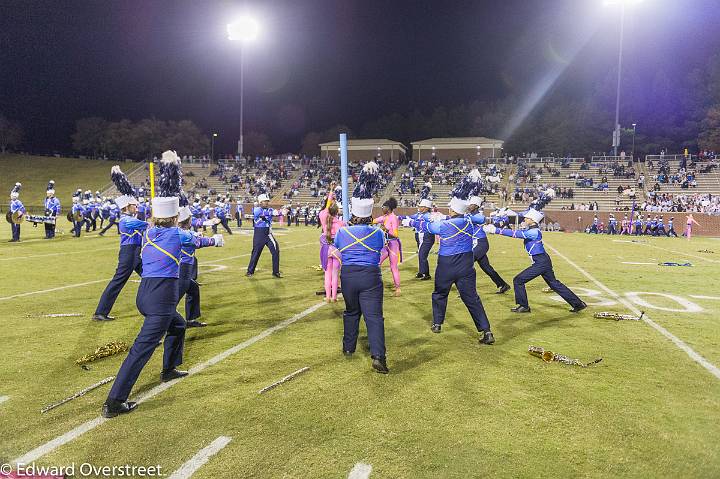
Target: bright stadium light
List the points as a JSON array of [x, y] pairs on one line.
[[623, 4], [244, 29]]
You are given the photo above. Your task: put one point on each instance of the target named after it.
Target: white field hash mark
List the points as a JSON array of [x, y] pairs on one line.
[[202, 457], [73, 434], [360, 471], [714, 370]]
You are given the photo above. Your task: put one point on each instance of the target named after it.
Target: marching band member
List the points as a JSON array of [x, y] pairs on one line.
[[158, 294], [16, 209], [239, 212], [393, 249], [671, 228], [612, 225], [87, 204], [689, 221], [113, 217], [481, 245], [262, 236], [221, 214], [189, 287], [143, 210], [455, 259], [425, 241], [78, 213], [359, 246], [332, 270], [542, 265], [52, 208], [131, 231], [594, 227], [626, 226], [660, 229]]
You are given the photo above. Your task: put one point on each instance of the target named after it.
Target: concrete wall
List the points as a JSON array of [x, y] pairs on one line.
[[469, 154]]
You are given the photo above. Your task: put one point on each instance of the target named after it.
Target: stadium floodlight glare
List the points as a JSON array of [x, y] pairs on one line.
[[623, 2], [243, 29]]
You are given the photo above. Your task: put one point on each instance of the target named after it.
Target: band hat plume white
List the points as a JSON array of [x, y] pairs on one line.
[[475, 200], [534, 215], [361, 203], [468, 186], [425, 203]]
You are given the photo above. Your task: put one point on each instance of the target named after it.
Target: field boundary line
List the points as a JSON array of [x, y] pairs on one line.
[[57, 254], [244, 255], [59, 288], [201, 458], [360, 471], [78, 431], [712, 369]]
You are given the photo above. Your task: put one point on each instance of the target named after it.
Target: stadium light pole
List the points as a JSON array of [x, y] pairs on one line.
[[633, 143], [623, 4], [212, 147], [244, 30]]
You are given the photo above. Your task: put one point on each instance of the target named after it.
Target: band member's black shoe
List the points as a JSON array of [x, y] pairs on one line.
[[578, 308], [520, 309], [487, 338], [435, 328], [194, 323], [103, 317], [249, 274], [113, 408], [380, 365], [101, 234], [277, 275], [419, 275], [170, 374], [347, 354], [426, 277], [503, 289]]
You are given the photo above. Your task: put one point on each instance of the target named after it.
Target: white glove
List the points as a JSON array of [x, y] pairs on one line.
[[406, 222], [489, 229], [219, 240]]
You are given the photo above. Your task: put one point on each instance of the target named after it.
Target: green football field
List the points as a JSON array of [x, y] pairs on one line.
[[449, 407]]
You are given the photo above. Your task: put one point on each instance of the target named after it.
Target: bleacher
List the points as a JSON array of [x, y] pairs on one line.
[[444, 175], [705, 172], [567, 175]]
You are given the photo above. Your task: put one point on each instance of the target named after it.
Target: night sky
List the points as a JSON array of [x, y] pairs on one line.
[[317, 63]]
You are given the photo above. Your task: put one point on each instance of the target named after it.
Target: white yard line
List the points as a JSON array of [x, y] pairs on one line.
[[69, 436], [699, 296], [360, 471], [405, 260], [3, 399], [59, 288], [57, 254], [714, 370], [228, 258], [682, 254], [199, 459]]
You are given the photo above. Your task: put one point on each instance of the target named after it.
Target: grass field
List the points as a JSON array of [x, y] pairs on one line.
[[449, 407], [34, 172]]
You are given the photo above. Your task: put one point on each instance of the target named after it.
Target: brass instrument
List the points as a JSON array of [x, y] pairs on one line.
[[69, 216], [14, 218], [619, 317], [109, 349], [549, 356], [77, 216]]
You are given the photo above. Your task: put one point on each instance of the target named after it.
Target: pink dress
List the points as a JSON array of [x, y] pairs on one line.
[[393, 249]]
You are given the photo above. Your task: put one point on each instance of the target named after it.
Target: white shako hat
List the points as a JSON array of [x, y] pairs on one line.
[[475, 200], [123, 186], [468, 186], [361, 203], [534, 215], [15, 192], [50, 188], [183, 213], [426, 203], [167, 203]]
